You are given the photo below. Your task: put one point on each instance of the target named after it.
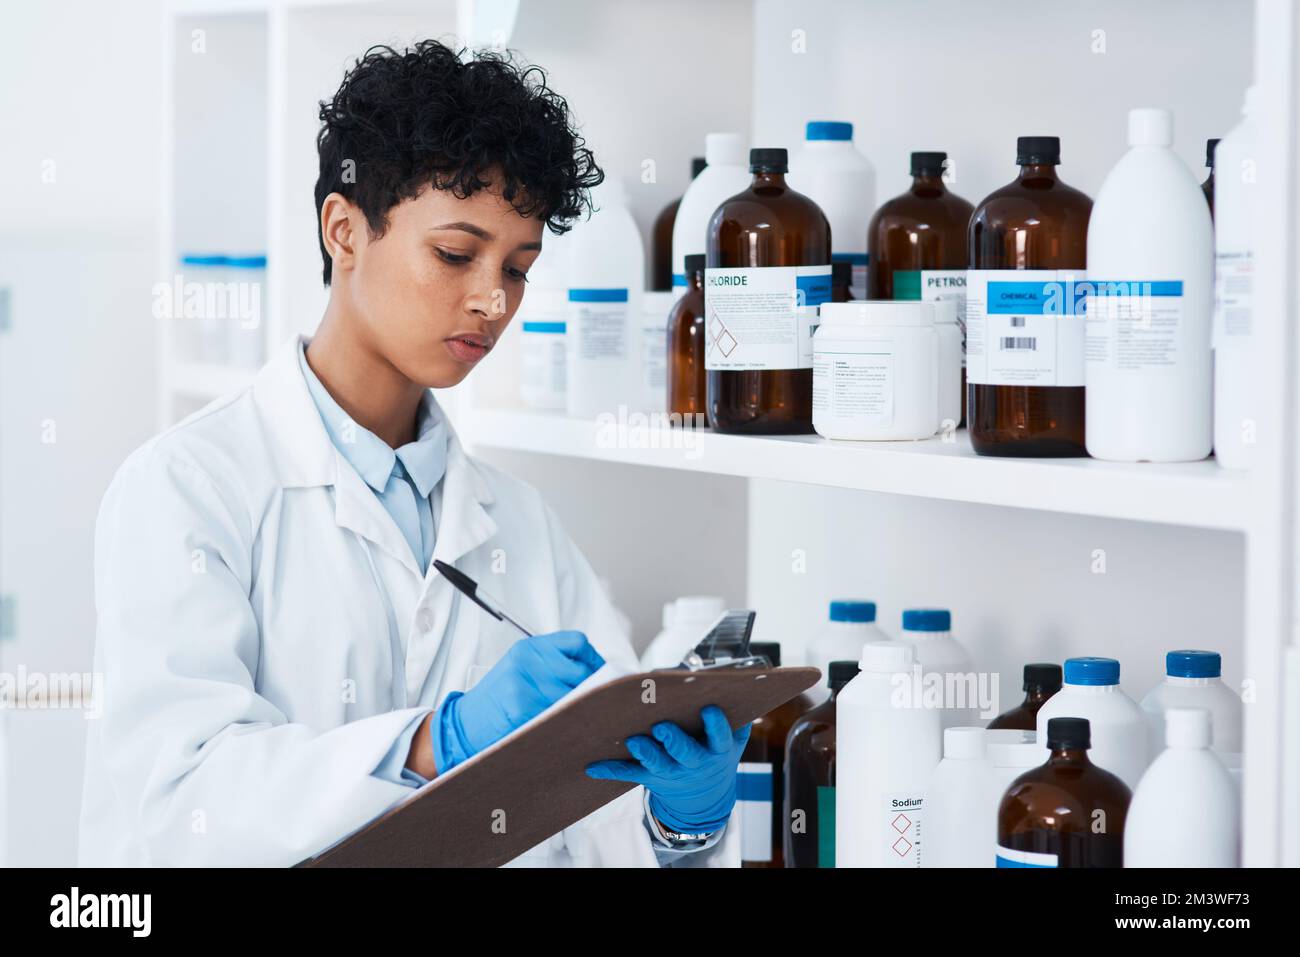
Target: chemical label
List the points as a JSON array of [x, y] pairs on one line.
[[599, 320], [1234, 292], [859, 385], [931, 285], [1007, 857], [757, 318], [1025, 327], [1134, 325], [902, 830], [858, 283], [754, 799], [825, 826]]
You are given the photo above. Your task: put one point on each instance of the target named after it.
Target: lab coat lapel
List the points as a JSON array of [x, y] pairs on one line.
[[356, 507]]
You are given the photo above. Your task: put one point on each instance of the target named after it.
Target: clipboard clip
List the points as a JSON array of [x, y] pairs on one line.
[[726, 645]]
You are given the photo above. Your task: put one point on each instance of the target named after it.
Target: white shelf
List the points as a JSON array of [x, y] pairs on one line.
[[1196, 494]]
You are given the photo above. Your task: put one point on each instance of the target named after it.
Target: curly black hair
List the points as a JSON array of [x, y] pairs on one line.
[[422, 116]]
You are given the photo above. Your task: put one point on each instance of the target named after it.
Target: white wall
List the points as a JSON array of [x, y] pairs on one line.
[[78, 256]]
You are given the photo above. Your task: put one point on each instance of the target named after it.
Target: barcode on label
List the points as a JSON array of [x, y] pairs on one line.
[[1022, 343], [1017, 322]]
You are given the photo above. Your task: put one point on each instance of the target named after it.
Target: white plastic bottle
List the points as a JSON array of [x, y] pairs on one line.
[[685, 622], [1185, 811], [653, 378], [951, 356], [725, 175], [929, 631], [887, 746], [1236, 199], [831, 172], [1147, 360], [542, 320], [850, 626], [606, 274], [1119, 736], [1193, 679], [1011, 753], [956, 825]]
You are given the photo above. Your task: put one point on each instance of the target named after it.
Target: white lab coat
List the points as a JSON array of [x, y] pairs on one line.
[[265, 635]]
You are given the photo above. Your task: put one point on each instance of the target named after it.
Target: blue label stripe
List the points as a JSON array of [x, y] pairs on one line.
[[753, 786], [544, 326], [1004, 862], [679, 279], [1037, 298], [1134, 287], [597, 295], [857, 259], [816, 289]]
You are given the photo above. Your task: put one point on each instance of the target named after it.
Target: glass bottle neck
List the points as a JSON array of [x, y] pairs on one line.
[[1074, 756], [928, 182], [697, 281], [1037, 695], [768, 178], [1038, 171]]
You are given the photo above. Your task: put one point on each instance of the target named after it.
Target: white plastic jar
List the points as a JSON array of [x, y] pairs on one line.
[[950, 360], [875, 365]]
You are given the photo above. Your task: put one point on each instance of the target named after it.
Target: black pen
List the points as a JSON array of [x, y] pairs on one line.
[[471, 590]]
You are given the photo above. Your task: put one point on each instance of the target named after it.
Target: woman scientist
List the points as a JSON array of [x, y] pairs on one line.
[[281, 661]]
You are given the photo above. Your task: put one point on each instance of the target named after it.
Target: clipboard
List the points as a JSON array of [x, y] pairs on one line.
[[531, 785]]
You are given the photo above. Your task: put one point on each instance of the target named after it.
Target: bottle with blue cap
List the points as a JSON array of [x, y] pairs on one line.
[[851, 625], [1194, 679], [1119, 734], [929, 632], [834, 174]]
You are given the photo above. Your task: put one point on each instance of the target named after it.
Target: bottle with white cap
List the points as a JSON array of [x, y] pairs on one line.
[[852, 624], [887, 747], [1118, 726], [831, 172], [1147, 359], [685, 621], [957, 826], [1236, 209], [726, 173], [1185, 811], [1193, 679], [929, 631]]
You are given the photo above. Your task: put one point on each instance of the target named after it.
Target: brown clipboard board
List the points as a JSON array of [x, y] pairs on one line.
[[533, 780]]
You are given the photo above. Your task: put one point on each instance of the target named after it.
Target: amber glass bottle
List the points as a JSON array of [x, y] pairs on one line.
[[809, 821], [917, 246], [1067, 813], [686, 382], [661, 239], [1041, 682], [769, 254], [1208, 186], [1024, 324], [760, 782]]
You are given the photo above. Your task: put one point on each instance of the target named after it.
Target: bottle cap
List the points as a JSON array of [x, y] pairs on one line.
[[928, 164], [1091, 671], [828, 130], [927, 619], [877, 312], [1038, 150], [1150, 126], [1069, 734], [697, 166], [856, 611], [964, 744], [1210, 146], [1187, 728], [771, 650], [1042, 676], [841, 673], [773, 159], [1193, 664], [887, 656], [695, 263], [724, 149]]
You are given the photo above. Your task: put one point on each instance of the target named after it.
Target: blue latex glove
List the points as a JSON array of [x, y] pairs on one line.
[[533, 674], [692, 785]]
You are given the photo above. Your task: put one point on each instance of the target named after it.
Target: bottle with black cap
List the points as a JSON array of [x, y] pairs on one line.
[[916, 243], [1042, 680], [809, 813], [768, 268], [1066, 813], [661, 267], [1025, 311], [1208, 186], [760, 781], [686, 381]]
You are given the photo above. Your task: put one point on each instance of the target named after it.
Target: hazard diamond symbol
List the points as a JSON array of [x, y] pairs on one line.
[[902, 846], [901, 823]]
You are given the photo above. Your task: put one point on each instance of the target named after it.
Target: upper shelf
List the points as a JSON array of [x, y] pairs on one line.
[[1196, 494]]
